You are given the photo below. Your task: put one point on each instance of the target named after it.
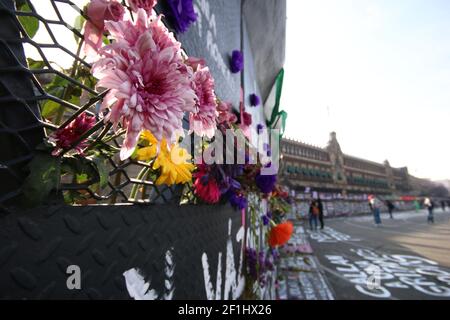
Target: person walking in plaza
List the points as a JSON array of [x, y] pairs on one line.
[[390, 207], [320, 204], [416, 205], [313, 215], [375, 206], [443, 205], [428, 203]]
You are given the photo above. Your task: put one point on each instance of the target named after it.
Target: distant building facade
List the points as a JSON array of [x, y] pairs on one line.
[[328, 169]]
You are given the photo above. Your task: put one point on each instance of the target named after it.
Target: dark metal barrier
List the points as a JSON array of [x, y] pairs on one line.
[[177, 251], [187, 252], [20, 127]]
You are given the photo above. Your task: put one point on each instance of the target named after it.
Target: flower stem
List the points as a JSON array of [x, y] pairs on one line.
[[84, 136], [99, 138], [68, 90], [140, 176], [91, 102]]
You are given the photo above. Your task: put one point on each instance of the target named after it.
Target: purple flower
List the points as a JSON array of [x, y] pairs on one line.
[[237, 61], [238, 201], [269, 262], [266, 183], [254, 100], [275, 255], [251, 262], [265, 220], [262, 262], [259, 128], [181, 14], [268, 165]]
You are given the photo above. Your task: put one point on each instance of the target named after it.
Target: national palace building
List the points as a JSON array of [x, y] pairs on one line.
[[307, 167]]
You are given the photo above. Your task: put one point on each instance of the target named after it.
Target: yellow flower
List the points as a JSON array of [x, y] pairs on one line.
[[174, 164], [150, 152]]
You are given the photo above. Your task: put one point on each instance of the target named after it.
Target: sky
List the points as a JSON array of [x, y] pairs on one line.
[[375, 71], [64, 37]]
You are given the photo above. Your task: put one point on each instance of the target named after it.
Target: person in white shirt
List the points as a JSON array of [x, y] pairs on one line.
[[428, 203], [375, 206]]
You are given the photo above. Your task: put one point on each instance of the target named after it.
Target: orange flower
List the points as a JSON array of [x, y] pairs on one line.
[[280, 234]]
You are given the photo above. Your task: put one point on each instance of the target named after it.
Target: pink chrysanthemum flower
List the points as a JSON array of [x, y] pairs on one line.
[[203, 120], [126, 32], [147, 5], [150, 86]]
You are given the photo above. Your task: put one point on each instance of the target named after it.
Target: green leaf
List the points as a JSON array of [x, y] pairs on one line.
[[58, 82], [43, 178], [30, 24], [106, 150], [75, 100], [79, 22], [79, 165], [78, 25], [106, 40], [35, 64], [56, 87], [45, 146], [102, 168], [82, 178], [70, 196], [50, 108]]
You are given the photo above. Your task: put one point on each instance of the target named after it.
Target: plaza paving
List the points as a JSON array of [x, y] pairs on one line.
[[405, 258]]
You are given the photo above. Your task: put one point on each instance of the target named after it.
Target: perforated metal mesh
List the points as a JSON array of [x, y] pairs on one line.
[[23, 97]]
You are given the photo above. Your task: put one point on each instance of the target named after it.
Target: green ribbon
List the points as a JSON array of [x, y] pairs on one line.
[[278, 115]]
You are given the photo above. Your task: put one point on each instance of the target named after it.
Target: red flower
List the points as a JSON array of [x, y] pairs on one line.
[[280, 234], [247, 119], [64, 138], [206, 187]]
